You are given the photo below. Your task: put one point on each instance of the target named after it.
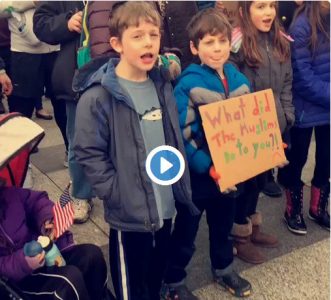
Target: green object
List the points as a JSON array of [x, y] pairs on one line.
[[165, 61], [84, 50], [83, 56], [175, 58]]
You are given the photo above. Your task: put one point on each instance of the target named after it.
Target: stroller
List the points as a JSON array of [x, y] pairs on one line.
[[18, 137]]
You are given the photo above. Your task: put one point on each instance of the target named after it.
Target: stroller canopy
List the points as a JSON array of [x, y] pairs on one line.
[[18, 137]]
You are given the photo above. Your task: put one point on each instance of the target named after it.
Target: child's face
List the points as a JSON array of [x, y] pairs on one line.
[[139, 46], [263, 14], [213, 50]]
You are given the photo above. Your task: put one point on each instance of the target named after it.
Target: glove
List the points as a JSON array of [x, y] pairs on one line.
[[37, 261], [213, 174]]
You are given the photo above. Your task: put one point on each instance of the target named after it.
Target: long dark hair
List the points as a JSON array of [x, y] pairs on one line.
[[313, 12], [249, 45]]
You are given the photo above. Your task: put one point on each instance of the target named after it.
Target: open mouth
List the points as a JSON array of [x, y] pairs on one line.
[[267, 22], [147, 58]]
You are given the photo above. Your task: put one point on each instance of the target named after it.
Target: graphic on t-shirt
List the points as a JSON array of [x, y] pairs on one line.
[[155, 114]]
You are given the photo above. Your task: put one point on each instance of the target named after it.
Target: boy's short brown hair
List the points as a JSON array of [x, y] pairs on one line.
[[208, 21], [130, 13]]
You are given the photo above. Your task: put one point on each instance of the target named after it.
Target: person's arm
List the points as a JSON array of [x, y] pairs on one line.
[[50, 25], [199, 158], [15, 266], [91, 143], [306, 82], [286, 96], [38, 207]]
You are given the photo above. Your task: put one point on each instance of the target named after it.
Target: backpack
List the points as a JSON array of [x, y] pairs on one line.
[[95, 35]]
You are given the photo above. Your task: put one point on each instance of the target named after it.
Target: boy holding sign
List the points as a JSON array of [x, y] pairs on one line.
[[213, 80]]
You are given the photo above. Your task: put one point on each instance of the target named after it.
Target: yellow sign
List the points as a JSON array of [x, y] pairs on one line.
[[243, 136]]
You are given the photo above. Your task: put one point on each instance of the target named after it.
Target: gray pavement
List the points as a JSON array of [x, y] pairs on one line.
[[297, 269]]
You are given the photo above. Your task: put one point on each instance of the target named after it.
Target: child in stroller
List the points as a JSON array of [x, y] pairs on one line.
[[26, 214]]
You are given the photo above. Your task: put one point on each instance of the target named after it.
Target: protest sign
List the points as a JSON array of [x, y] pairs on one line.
[[243, 136]]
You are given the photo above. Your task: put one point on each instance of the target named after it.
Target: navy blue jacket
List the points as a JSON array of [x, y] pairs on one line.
[[311, 76], [109, 145]]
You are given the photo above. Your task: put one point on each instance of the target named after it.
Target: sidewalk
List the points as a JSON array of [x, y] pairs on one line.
[[297, 269]]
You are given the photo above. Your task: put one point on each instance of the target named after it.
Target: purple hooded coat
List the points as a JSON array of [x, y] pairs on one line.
[[22, 214]]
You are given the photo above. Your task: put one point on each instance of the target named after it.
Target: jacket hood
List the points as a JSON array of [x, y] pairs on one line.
[[102, 71], [203, 75]]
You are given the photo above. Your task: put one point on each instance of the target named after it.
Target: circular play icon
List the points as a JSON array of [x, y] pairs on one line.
[[165, 165]]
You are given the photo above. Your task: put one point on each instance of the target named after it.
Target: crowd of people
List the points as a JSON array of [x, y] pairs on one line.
[[172, 57]]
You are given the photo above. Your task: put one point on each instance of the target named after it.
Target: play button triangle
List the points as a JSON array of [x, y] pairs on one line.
[[165, 165]]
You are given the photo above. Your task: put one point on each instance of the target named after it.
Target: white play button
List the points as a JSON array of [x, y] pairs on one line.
[[165, 165]]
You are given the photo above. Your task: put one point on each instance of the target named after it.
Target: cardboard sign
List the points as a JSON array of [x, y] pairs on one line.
[[243, 136]]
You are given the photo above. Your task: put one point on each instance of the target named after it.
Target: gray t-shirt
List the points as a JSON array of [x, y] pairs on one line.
[[147, 105]]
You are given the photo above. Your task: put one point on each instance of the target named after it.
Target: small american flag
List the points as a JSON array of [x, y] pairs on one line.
[[63, 213]]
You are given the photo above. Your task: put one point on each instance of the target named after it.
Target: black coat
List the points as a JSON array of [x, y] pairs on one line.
[[50, 25], [176, 16], [2, 64]]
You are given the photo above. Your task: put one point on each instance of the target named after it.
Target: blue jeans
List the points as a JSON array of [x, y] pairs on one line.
[[80, 187]]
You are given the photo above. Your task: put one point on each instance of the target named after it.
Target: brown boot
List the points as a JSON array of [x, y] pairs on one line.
[[246, 250], [260, 238]]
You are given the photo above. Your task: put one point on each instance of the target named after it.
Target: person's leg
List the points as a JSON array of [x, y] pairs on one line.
[[130, 257], [81, 189], [38, 104], [242, 227], [291, 179], [25, 106], [290, 176], [322, 156], [55, 283], [89, 259], [60, 115], [220, 214], [220, 211], [184, 233], [159, 259], [59, 105], [320, 189], [27, 81], [259, 237], [41, 113]]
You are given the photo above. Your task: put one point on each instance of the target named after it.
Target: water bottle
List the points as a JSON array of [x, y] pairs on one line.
[[53, 256]]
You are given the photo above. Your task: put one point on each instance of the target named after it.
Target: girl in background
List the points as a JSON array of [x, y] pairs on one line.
[[311, 96], [263, 55]]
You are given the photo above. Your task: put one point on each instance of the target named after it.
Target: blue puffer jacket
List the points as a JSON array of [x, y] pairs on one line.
[[311, 76], [199, 85]]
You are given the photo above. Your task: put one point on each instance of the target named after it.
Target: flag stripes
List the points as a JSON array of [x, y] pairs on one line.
[[63, 213]]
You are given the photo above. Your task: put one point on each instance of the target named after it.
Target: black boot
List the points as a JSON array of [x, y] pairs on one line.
[[233, 283], [293, 215], [319, 201], [272, 188], [180, 292]]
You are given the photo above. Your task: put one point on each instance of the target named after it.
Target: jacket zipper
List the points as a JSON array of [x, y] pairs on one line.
[[226, 92], [149, 224], [268, 54]]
